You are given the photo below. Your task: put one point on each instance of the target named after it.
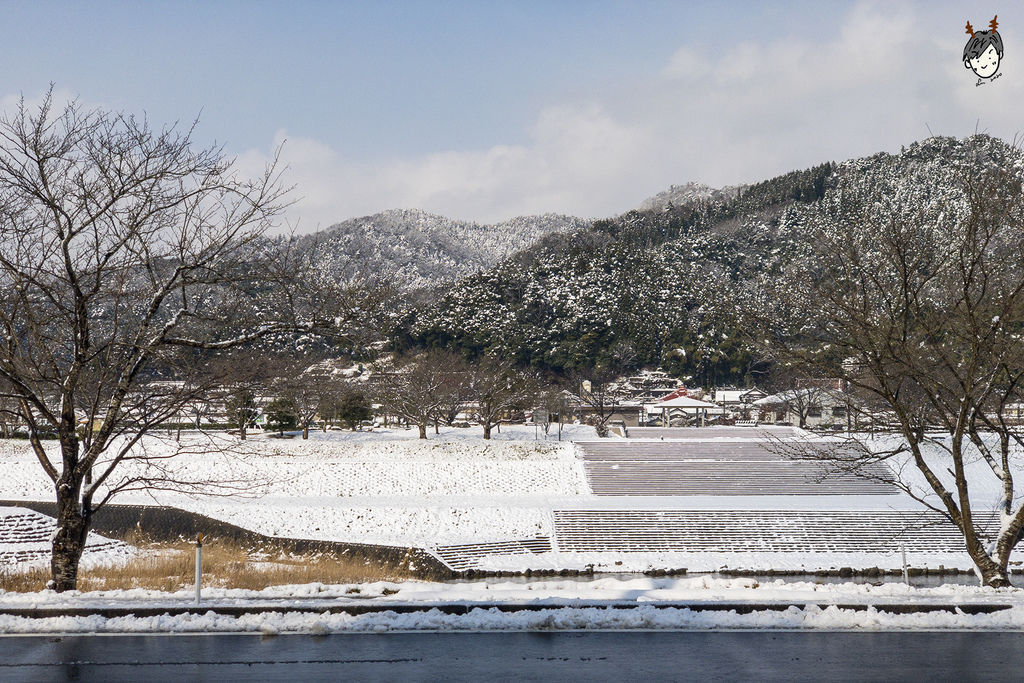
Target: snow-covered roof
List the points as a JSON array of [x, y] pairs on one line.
[[811, 393], [681, 402]]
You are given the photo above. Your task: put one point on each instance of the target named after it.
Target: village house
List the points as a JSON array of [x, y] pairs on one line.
[[739, 402], [810, 407]]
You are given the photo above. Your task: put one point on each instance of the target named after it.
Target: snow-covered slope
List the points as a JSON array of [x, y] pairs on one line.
[[425, 249], [25, 541], [659, 287]]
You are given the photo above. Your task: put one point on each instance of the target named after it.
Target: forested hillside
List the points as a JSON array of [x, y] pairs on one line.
[[658, 286]]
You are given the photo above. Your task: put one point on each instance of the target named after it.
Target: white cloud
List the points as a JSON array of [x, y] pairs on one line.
[[720, 114], [738, 113], [573, 164]]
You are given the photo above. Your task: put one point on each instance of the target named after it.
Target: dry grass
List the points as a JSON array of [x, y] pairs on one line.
[[22, 582], [171, 567]]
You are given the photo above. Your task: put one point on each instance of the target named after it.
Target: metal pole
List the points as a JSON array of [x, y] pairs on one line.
[[903, 552], [199, 567]]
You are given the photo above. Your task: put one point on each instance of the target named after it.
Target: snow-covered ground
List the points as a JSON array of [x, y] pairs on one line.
[[385, 486], [572, 605], [25, 542], [643, 617], [985, 487], [389, 487]]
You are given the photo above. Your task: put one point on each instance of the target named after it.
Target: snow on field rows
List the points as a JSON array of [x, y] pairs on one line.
[[455, 489], [417, 523], [25, 542], [331, 464], [385, 486]]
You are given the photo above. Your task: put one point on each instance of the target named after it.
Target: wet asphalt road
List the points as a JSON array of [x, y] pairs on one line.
[[561, 656]]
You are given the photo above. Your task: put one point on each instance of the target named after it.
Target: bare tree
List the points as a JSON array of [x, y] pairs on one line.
[[305, 393], [10, 413], [795, 393], [595, 388], [121, 246], [496, 387], [554, 400], [915, 298], [454, 389], [414, 388]]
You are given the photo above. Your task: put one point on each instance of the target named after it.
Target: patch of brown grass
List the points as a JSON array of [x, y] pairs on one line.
[[23, 582], [171, 567]]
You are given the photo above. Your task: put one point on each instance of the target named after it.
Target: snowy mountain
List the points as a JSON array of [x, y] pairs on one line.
[[658, 286], [424, 249]]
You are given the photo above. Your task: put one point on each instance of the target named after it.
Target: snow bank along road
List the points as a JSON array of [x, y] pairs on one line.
[[703, 499], [643, 603]]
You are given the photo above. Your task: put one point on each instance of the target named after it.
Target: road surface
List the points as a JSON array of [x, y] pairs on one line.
[[613, 656]]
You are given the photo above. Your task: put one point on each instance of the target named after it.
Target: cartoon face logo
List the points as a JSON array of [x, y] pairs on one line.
[[984, 50]]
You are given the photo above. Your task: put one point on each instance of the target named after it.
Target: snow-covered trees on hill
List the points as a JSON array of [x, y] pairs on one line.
[[648, 281], [420, 249], [663, 282]]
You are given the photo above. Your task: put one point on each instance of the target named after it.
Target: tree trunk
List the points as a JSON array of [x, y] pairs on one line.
[[992, 573], [305, 431], [994, 576], [68, 541], [601, 428], [487, 430], [242, 431], [423, 430]]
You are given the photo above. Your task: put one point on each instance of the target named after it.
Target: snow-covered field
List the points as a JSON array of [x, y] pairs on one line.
[[985, 487], [25, 538], [385, 486], [389, 487], [573, 605]]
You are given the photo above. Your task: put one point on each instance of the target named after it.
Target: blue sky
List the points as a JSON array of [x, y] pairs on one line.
[[484, 110]]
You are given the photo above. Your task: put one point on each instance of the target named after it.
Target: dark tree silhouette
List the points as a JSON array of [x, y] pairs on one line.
[[123, 249], [912, 293]]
